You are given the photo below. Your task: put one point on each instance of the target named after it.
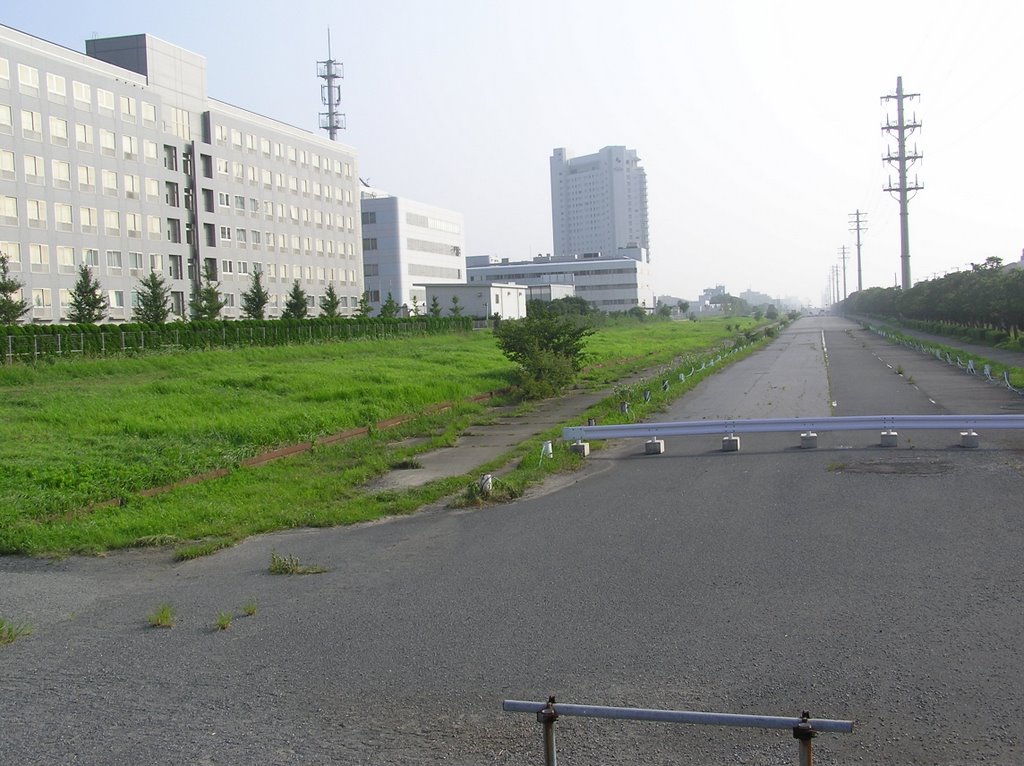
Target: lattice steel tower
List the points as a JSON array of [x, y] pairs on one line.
[[330, 93]]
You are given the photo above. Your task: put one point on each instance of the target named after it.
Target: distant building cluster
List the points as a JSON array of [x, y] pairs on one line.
[[117, 159]]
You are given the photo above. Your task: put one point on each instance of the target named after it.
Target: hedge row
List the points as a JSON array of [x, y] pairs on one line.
[[29, 342]]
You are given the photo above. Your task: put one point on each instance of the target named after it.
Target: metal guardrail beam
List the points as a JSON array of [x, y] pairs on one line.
[[681, 716], [728, 427]]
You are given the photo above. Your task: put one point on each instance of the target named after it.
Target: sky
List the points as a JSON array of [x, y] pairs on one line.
[[758, 122]]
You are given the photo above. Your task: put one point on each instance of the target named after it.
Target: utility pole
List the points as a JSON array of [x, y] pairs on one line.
[[842, 257], [855, 223], [902, 160]]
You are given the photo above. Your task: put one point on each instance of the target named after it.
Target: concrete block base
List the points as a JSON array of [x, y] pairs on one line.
[[731, 444], [654, 446], [809, 440], [580, 448], [969, 439], [890, 439]]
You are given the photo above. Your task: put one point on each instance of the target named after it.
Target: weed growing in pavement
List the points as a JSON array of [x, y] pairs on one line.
[[163, 617], [833, 467], [899, 369], [224, 620], [249, 609], [11, 632], [290, 565]]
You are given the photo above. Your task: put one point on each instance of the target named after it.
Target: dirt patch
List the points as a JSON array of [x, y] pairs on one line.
[[898, 467]]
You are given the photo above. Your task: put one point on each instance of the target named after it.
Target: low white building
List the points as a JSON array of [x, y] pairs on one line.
[[480, 301], [407, 244], [610, 283]]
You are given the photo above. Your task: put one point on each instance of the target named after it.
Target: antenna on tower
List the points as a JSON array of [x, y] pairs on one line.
[[330, 92]]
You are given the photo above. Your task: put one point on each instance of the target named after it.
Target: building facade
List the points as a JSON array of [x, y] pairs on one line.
[[599, 203], [610, 284], [407, 245], [481, 301], [119, 160]]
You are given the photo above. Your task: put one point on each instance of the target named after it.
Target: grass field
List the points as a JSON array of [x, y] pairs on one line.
[[75, 434]]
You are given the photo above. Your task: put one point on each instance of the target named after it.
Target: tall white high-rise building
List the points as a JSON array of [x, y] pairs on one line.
[[599, 203]]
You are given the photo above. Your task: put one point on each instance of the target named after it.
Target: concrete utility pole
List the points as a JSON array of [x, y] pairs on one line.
[[855, 222], [842, 257], [330, 93], [902, 160]]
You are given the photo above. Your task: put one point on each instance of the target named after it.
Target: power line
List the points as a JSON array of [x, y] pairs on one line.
[[842, 257]]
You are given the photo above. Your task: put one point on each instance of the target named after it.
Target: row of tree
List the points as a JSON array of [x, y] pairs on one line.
[[88, 304], [985, 298]]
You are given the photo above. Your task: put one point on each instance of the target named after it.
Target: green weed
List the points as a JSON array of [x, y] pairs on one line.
[[11, 632], [249, 609], [224, 620], [163, 617], [290, 565]]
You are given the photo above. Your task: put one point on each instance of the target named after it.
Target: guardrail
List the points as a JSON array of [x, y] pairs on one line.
[[804, 728], [889, 425]]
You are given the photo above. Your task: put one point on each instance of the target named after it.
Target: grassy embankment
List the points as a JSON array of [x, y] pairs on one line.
[[75, 434]]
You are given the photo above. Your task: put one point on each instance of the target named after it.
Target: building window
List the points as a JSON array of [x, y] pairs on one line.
[[128, 112], [36, 213], [34, 170], [28, 80], [83, 94], [108, 145], [83, 137], [88, 220], [86, 178], [109, 178], [135, 264], [39, 257], [150, 152], [62, 216], [65, 259], [58, 131], [60, 170], [6, 119], [369, 243], [112, 222], [105, 101], [130, 147], [369, 216], [31, 125], [7, 169], [148, 115]]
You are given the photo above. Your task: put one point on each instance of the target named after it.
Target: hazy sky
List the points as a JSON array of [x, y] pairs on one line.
[[758, 122]]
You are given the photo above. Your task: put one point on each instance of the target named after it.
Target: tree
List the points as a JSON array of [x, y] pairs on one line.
[[549, 350], [256, 298], [435, 307], [331, 302], [683, 307], [12, 307], [771, 313], [88, 303], [207, 303], [364, 308], [389, 308], [154, 300], [295, 306], [664, 311], [456, 309], [415, 307]]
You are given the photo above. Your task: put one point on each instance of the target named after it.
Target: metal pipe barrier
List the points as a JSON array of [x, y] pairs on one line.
[[804, 728], [729, 427]]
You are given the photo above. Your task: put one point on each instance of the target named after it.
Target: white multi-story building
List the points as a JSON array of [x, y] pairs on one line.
[[407, 245], [119, 160], [599, 203], [616, 283]]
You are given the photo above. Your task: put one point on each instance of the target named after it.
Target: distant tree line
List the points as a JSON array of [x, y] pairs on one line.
[[985, 303]]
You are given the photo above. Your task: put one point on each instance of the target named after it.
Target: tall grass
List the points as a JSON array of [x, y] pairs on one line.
[[74, 434]]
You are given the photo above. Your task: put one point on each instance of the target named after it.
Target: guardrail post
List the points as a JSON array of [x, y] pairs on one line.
[[805, 734], [547, 717]]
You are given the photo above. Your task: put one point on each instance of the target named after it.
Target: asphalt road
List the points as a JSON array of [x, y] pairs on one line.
[[882, 585]]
